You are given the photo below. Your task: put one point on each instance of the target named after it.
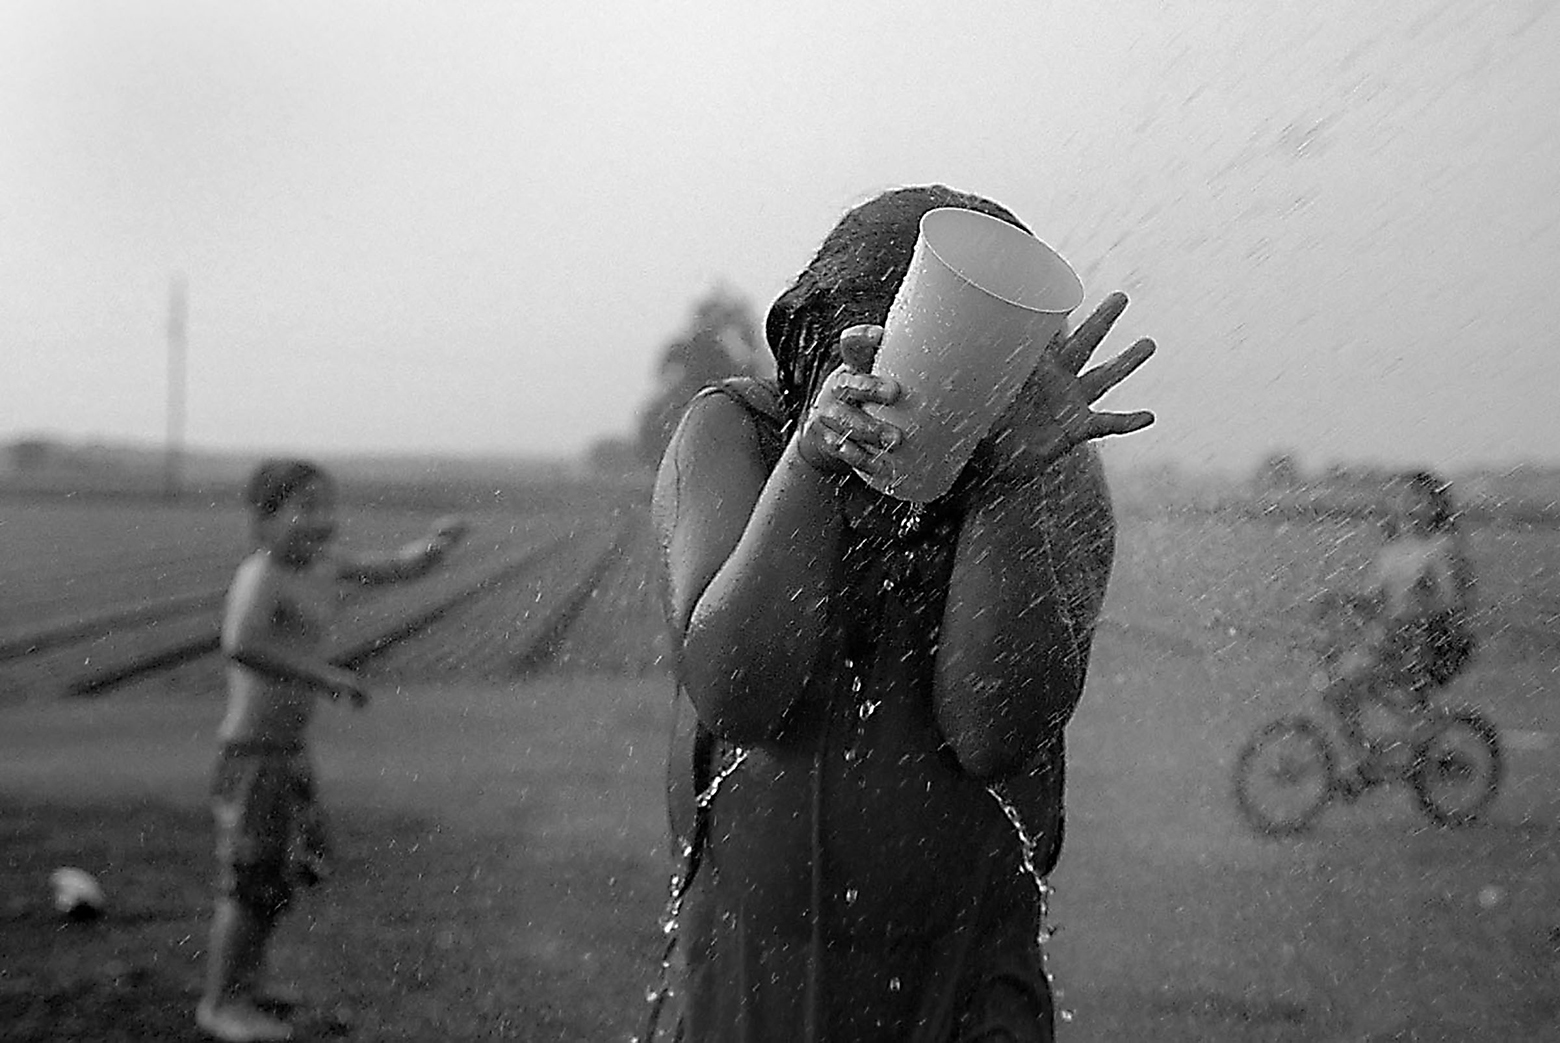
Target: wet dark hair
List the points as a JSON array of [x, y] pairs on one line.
[[275, 481], [1438, 492], [852, 280]]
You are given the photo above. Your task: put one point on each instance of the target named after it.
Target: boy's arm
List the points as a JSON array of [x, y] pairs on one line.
[[247, 641], [409, 561]]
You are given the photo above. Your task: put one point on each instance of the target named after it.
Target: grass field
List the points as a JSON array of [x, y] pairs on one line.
[[499, 872], [499, 818]]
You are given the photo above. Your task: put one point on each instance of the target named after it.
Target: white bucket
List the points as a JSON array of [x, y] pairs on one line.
[[981, 301]]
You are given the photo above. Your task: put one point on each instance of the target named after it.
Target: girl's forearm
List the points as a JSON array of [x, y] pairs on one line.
[[1027, 586], [756, 629]]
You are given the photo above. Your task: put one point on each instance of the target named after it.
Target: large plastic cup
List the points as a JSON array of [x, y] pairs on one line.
[[981, 301]]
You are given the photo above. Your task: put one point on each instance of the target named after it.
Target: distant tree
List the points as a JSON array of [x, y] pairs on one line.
[[32, 454], [1280, 472], [614, 457], [721, 340]]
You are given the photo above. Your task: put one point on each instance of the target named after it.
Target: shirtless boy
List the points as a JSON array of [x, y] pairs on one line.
[[270, 835]]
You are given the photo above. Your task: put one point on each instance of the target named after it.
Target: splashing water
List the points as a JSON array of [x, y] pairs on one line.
[[857, 686], [725, 773], [670, 919], [1044, 931], [1027, 846]]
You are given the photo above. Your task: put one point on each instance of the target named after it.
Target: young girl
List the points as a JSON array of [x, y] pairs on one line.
[[270, 836], [855, 671]]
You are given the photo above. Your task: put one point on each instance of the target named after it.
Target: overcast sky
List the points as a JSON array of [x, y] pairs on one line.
[[462, 227]]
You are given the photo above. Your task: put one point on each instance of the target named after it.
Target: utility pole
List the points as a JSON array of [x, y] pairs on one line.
[[178, 316]]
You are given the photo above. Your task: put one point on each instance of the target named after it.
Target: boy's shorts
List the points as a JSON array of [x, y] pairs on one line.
[[1428, 653], [270, 829]]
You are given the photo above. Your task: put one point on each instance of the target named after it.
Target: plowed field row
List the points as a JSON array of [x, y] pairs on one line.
[[502, 605], [62, 562], [619, 627], [509, 624]]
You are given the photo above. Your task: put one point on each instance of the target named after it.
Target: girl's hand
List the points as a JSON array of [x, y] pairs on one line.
[[1053, 414], [837, 435]]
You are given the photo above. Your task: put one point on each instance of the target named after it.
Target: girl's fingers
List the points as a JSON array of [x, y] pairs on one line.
[[1103, 377], [846, 446], [858, 388], [859, 345], [858, 457], [861, 428], [1102, 425], [1077, 348]]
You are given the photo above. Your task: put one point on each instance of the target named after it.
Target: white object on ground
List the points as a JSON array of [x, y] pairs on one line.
[[76, 893]]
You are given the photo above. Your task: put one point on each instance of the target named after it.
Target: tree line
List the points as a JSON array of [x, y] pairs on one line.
[[721, 339]]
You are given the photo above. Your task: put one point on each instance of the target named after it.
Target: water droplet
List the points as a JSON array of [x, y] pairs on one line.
[[1027, 846]]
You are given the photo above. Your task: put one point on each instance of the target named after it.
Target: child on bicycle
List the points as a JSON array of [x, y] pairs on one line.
[[270, 836], [1417, 605]]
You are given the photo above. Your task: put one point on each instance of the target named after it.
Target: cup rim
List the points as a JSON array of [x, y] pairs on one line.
[[1076, 280]]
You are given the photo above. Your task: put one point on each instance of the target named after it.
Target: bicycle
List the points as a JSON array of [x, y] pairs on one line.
[[1289, 771]]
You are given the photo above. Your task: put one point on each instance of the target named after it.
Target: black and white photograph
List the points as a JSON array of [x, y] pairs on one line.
[[1031, 521]]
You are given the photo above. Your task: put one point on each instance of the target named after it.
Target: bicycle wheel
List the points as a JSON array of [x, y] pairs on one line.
[[1284, 776], [1457, 768]]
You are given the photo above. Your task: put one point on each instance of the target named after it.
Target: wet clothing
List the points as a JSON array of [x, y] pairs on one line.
[[271, 835], [1428, 652], [848, 881], [1425, 586], [1418, 576]]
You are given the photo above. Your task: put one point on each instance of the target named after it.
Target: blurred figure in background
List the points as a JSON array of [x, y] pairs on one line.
[[270, 831], [1417, 605], [856, 672]]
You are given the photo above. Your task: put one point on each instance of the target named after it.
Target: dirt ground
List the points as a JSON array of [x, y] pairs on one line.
[[499, 864], [502, 871], [1179, 924]]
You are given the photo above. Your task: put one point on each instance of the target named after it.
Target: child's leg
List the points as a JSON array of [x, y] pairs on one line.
[[1346, 697], [252, 890], [238, 937], [239, 933], [250, 961], [1343, 696]]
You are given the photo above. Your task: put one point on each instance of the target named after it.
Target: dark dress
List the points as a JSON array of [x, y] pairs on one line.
[[848, 882]]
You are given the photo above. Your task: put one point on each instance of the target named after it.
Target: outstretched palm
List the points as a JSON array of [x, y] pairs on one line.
[[1054, 412]]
